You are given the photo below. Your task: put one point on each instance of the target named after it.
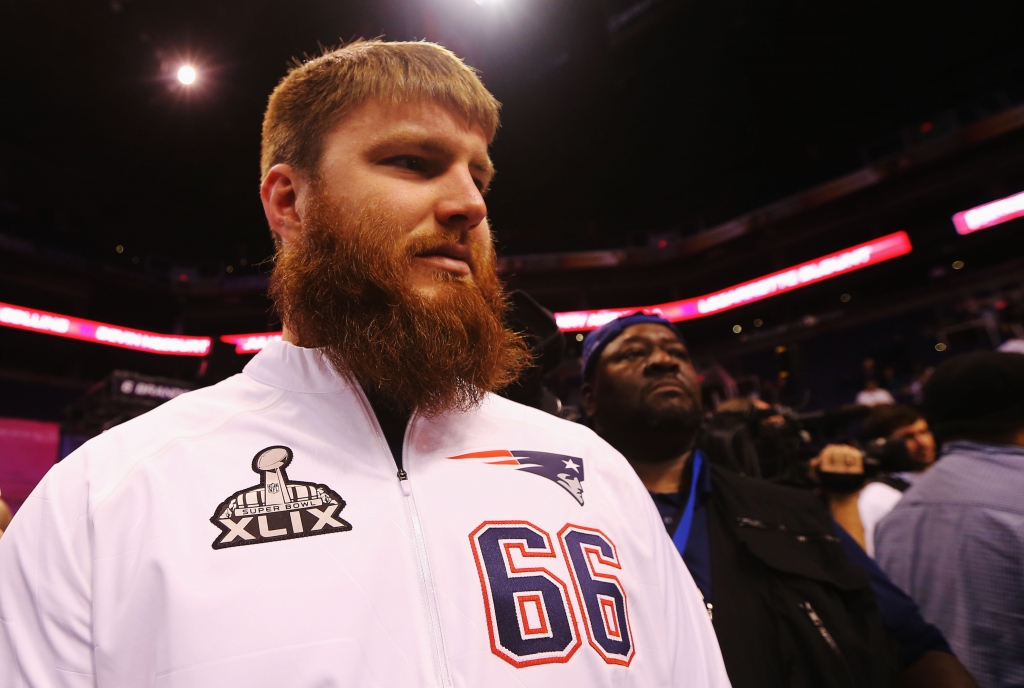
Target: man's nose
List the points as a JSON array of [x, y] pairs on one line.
[[661, 361], [461, 205]]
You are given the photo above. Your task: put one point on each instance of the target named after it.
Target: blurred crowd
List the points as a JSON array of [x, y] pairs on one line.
[[893, 554]]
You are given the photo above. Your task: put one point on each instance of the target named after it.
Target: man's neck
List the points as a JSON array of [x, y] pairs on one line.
[[663, 476], [655, 456], [658, 457]]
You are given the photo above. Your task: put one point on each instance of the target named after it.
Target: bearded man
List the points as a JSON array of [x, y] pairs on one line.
[[405, 527], [795, 601]]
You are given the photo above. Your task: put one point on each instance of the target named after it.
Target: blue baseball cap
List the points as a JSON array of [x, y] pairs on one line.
[[597, 340]]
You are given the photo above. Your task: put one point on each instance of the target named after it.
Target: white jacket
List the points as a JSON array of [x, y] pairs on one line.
[[256, 533]]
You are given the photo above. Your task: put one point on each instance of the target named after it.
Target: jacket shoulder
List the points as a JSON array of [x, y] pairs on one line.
[[761, 500], [107, 460], [192, 414], [787, 529], [538, 427], [550, 425]]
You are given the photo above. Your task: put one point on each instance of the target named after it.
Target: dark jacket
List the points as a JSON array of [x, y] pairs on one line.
[[789, 609]]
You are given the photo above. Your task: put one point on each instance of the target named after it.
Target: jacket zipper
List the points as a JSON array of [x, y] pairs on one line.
[[427, 582], [820, 625], [420, 547]]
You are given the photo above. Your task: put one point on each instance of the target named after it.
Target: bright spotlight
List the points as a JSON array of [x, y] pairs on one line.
[[187, 75]]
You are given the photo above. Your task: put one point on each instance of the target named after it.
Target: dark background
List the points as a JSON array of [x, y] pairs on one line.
[[706, 110], [626, 123]]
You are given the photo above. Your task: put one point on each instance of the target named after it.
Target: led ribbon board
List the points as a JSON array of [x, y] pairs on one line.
[[832, 265], [101, 333], [250, 343], [990, 214], [841, 262]]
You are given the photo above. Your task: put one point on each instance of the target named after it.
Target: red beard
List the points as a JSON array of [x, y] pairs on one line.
[[345, 289]]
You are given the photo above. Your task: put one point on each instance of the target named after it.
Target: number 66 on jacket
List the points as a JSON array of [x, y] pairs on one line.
[[530, 616]]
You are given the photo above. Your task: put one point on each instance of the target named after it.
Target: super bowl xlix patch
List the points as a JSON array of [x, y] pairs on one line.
[[277, 508]]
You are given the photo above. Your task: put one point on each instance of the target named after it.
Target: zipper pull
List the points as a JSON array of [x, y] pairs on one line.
[[403, 480], [820, 625]]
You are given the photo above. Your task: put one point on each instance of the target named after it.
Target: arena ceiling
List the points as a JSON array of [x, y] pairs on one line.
[[622, 119]]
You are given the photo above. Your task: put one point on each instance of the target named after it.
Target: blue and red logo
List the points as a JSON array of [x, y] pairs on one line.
[[566, 471]]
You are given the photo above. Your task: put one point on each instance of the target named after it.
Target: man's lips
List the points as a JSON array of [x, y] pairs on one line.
[[669, 386], [454, 258]]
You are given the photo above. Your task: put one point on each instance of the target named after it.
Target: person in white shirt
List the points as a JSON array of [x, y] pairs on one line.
[[356, 508], [860, 508], [873, 395], [878, 497]]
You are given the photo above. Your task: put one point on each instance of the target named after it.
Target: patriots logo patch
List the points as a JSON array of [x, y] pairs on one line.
[[566, 471]]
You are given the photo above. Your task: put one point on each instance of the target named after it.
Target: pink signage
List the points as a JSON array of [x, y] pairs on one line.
[[990, 214], [28, 448], [826, 267], [44, 322], [250, 343]]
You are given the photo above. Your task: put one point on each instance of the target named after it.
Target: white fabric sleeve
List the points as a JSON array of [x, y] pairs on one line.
[[45, 583], [874, 502], [697, 660]]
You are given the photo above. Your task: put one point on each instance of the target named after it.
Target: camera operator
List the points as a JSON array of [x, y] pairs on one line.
[[906, 448], [787, 604], [860, 485], [907, 424]]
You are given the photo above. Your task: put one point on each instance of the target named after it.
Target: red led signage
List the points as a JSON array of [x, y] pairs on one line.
[[101, 333], [838, 263], [250, 343], [823, 268], [990, 214]]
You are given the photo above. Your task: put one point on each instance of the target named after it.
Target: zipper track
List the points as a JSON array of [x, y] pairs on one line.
[[427, 590], [427, 581]]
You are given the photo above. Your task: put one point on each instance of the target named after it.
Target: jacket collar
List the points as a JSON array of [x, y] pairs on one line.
[[704, 486], [295, 369], [981, 448]]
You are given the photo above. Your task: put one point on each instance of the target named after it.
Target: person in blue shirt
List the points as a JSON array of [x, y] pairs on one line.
[[793, 599], [955, 541]]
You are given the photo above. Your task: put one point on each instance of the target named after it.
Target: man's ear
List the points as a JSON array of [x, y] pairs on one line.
[[281, 192], [587, 400]]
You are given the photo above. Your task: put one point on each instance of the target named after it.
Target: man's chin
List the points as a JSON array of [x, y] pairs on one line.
[[437, 285], [673, 418]]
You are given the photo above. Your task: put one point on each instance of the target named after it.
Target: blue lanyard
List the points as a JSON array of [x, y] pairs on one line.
[[682, 534]]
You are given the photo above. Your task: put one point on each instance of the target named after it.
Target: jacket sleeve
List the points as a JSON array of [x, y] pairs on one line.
[[900, 615], [45, 583]]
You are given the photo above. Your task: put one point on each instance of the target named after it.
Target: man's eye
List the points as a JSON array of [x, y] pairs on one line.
[[680, 354], [409, 162]]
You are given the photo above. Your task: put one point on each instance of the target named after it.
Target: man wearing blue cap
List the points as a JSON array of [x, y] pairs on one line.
[[789, 604]]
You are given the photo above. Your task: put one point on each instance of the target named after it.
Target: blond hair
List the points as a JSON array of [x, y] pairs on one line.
[[316, 95]]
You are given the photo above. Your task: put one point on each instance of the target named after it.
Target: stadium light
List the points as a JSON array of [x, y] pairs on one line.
[[990, 214], [101, 333], [187, 75]]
